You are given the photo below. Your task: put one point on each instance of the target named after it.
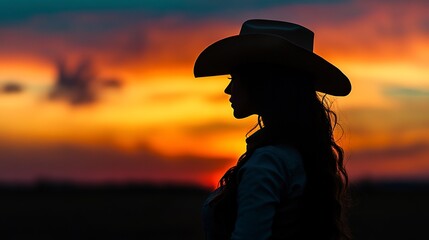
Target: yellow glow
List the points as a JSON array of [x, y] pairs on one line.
[[26, 70], [399, 72], [162, 107], [164, 104]]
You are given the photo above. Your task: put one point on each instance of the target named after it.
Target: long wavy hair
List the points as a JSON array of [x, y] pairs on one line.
[[291, 112]]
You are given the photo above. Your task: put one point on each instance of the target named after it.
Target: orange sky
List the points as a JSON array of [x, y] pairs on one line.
[[155, 122]]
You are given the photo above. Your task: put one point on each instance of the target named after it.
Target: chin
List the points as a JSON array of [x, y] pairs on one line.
[[239, 115]]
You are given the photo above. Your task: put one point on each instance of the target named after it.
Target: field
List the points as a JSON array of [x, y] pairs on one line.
[[62, 211]]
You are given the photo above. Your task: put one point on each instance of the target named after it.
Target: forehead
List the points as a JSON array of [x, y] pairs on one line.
[[260, 68], [248, 71]]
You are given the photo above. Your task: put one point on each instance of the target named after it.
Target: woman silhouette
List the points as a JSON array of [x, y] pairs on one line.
[[291, 182]]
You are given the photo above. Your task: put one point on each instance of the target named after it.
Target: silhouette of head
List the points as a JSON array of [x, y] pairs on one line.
[[268, 90], [272, 42]]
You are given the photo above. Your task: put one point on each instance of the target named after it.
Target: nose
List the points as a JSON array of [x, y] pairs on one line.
[[228, 88]]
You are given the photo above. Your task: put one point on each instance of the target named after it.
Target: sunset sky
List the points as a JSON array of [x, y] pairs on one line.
[[103, 90]]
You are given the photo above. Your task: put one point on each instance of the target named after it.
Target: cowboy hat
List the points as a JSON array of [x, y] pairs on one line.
[[272, 42]]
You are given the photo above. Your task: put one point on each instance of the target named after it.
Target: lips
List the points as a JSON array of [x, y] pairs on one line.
[[232, 105]]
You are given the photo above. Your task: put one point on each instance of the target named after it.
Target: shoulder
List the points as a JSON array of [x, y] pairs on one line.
[[278, 150], [282, 156], [276, 164]]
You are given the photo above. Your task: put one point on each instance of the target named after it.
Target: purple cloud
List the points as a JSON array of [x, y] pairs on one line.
[[103, 164], [80, 85], [11, 87]]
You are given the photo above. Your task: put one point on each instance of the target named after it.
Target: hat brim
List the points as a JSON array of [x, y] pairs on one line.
[[224, 55]]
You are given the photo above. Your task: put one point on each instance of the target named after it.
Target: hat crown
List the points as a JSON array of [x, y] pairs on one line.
[[292, 32]]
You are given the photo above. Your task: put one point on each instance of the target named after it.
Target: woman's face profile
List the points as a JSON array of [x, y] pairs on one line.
[[241, 100]]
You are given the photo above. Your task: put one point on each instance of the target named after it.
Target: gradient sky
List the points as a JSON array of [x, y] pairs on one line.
[[97, 91]]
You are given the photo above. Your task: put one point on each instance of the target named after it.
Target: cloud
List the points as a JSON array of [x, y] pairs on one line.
[[17, 10], [390, 153], [424, 25], [79, 86], [405, 92], [212, 128], [111, 83], [393, 162], [103, 164], [111, 39], [128, 37], [407, 120], [74, 86], [11, 87]]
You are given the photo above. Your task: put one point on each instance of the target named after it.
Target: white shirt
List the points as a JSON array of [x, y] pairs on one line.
[[271, 177], [271, 174]]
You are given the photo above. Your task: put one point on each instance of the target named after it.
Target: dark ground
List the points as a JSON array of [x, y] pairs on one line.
[[61, 211]]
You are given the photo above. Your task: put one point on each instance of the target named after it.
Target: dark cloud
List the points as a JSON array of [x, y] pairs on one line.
[[79, 86], [75, 86], [78, 163], [111, 83], [390, 153], [408, 116], [391, 162], [17, 10], [11, 87], [424, 25]]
